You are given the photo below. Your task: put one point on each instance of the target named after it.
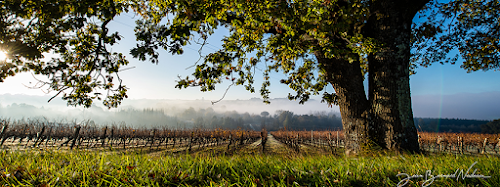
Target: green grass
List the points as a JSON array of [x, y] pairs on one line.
[[93, 168]]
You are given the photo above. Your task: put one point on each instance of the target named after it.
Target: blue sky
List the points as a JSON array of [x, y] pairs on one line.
[[150, 81]]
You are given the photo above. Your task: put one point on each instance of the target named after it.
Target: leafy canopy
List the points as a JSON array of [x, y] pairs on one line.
[[472, 27], [281, 36], [77, 32]]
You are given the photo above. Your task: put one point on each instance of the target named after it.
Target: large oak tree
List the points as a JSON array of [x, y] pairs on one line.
[[315, 43]]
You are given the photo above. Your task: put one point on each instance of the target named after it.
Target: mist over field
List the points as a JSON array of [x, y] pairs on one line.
[[254, 105], [185, 113], [172, 113]]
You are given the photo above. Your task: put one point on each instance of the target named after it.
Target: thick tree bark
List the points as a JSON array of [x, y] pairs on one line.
[[389, 87], [347, 81]]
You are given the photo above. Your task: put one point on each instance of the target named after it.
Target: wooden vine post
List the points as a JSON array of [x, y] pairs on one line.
[[263, 136], [330, 142], [191, 141], [152, 134], [337, 143], [483, 149], [241, 138], [76, 136], [230, 141], [296, 143], [49, 136], [39, 136], [103, 137], [438, 142], [461, 145], [3, 132], [312, 137]]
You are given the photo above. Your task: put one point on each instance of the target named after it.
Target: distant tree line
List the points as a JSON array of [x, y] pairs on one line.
[[492, 127], [449, 125], [180, 118], [282, 119], [317, 121], [210, 119]]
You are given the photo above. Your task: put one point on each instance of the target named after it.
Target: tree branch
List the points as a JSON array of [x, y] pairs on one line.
[[227, 89]]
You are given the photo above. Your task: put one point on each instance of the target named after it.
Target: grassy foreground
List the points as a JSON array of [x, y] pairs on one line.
[[93, 168]]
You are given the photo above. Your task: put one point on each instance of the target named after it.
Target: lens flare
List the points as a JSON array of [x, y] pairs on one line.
[[3, 55]]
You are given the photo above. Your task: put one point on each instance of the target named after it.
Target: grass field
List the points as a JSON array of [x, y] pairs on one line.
[[243, 166]]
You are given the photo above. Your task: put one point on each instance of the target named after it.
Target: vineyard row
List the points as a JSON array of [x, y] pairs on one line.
[[87, 135], [463, 143]]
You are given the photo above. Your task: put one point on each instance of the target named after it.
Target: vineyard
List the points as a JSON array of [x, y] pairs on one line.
[[463, 143], [42, 134], [35, 153]]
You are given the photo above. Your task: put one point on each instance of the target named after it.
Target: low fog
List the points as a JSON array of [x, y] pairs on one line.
[[233, 114]]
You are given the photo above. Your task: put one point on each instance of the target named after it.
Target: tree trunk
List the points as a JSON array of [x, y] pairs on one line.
[[389, 87], [347, 80]]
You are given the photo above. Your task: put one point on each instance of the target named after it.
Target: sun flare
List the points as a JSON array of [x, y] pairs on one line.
[[3, 55]]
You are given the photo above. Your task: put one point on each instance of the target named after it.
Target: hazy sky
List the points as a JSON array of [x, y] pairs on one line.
[[150, 81]]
